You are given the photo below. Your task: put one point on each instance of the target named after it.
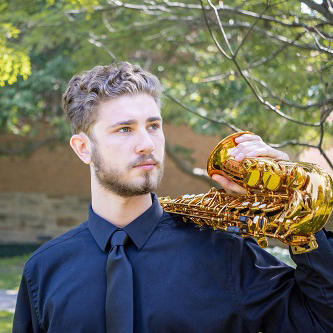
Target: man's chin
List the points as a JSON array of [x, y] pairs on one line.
[[140, 190], [146, 187], [148, 175]]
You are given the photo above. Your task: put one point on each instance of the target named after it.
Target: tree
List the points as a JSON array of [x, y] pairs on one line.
[[260, 66], [14, 59]]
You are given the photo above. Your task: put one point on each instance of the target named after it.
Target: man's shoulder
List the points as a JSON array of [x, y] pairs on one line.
[[182, 223], [177, 221], [172, 219], [69, 238]]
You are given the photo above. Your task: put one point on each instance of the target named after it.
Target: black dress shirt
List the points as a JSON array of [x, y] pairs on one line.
[[186, 279]]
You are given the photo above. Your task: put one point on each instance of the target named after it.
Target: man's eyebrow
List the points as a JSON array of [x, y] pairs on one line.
[[124, 123], [134, 122], [152, 119]]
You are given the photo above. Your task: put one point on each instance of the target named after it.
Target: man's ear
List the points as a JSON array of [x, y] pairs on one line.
[[81, 144]]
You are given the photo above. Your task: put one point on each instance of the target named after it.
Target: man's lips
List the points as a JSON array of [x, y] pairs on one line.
[[148, 165]]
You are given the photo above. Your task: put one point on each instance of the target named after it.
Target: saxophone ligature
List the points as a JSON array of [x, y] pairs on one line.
[[288, 201]]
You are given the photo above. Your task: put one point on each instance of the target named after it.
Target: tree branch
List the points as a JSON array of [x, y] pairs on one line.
[[289, 103], [292, 143], [220, 122], [322, 152], [169, 5], [253, 89], [94, 40], [279, 98], [211, 33], [296, 143], [249, 30], [319, 8], [274, 54]]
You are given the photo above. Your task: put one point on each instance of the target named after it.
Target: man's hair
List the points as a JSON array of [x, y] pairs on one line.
[[103, 83]]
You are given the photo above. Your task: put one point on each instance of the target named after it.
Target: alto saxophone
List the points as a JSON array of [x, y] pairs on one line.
[[284, 200]]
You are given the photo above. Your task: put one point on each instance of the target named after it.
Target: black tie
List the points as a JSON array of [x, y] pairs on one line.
[[119, 293]]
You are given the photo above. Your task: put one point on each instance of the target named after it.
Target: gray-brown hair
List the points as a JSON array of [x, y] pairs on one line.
[[84, 92]]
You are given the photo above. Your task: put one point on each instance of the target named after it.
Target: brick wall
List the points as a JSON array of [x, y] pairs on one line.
[[47, 193], [38, 217], [59, 171]]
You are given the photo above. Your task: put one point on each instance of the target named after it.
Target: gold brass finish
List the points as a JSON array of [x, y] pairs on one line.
[[289, 201]]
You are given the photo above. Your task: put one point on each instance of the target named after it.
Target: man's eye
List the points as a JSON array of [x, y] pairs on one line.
[[154, 126], [124, 130]]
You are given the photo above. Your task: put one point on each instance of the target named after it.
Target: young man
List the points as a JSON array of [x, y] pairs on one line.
[[182, 278]]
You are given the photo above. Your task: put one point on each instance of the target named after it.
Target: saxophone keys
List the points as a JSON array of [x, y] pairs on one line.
[[309, 246], [255, 206], [297, 178], [262, 242], [245, 219], [234, 230], [273, 176], [252, 172]]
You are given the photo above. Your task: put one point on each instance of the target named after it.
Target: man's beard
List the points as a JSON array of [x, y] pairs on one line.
[[111, 179]]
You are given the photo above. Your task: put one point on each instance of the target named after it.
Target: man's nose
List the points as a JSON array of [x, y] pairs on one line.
[[145, 144]]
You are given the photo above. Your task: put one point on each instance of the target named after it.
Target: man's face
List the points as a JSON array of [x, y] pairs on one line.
[[128, 145]]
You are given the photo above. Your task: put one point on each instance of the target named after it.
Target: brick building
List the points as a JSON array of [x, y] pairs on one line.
[[45, 194]]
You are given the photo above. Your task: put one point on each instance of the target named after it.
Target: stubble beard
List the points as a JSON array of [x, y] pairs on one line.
[[111, 179]]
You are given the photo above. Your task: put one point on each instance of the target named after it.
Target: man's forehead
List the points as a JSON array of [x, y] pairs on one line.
[[141, 108]]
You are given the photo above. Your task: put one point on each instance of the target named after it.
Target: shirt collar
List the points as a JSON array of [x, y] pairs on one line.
[[139, 230]]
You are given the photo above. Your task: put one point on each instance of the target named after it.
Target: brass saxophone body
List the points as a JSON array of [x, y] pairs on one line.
[[284, 200]]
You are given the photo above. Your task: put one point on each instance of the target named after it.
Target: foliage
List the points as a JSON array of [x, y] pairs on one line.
[[267, 71], [11, 271], [6, 321], [10, 276], [14, 60]]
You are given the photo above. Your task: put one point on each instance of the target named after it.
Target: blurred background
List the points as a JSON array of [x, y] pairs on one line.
[[261, 66]]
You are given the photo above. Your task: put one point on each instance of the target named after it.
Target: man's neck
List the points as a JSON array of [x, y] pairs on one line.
[[118, 210]]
